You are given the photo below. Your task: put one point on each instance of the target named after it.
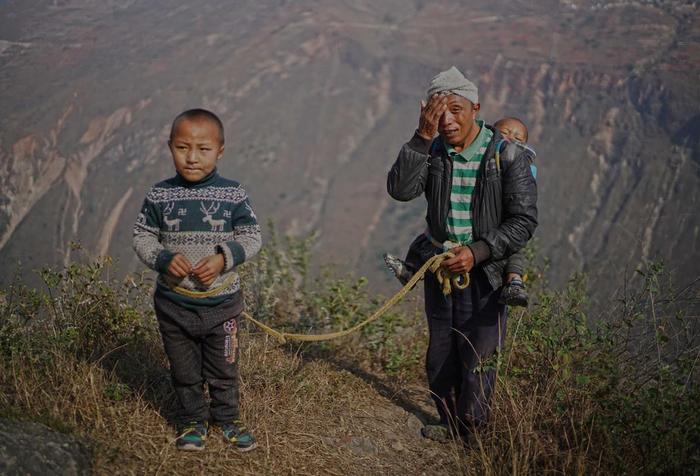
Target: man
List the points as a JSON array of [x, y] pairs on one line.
[[481, 209]]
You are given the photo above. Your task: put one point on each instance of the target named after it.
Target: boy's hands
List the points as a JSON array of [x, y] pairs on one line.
[[179, 266], [462, 262], [430, 115], [208, 268]]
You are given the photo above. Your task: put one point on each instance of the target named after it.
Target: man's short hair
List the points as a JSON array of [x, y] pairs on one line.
[[198, 114]]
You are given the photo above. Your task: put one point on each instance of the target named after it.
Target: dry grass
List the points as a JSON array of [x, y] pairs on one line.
[[526, 435], [309, 416], [86, 358]]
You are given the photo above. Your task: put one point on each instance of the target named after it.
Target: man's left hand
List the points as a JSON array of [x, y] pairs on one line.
[[463, 262], [208, 268]]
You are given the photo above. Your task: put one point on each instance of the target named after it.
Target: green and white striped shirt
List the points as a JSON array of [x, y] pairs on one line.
[[464, 171]]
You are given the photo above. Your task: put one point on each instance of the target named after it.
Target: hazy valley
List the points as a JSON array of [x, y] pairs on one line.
[[318, 98]]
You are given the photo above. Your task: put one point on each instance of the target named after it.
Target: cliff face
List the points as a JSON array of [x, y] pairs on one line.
[[317, 100], [618, 164]]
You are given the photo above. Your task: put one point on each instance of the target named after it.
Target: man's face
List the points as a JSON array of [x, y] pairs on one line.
[[514, 131], [458, 122], [196, 148]]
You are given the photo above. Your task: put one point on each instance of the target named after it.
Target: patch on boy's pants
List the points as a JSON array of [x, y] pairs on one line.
[[231, 343]]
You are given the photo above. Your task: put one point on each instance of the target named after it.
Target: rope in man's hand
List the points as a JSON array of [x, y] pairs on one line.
[[446, 279]]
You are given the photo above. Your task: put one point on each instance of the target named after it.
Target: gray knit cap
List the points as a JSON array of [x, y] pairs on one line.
[[453, 81]]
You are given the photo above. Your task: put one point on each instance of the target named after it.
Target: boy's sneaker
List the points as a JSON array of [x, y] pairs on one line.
[[514, 293], [191, 436], [238, 435], [398, 267]]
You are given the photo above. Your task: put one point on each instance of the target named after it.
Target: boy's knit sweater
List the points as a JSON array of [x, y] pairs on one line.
[[196, 219]]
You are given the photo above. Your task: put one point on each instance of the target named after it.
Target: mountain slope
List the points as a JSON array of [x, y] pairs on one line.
[[317, 99]]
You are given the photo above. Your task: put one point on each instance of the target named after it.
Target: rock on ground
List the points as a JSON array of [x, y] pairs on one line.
[[33, 449]]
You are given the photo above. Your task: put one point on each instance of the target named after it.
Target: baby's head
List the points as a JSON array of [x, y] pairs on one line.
[[196, 143], [512, 129]]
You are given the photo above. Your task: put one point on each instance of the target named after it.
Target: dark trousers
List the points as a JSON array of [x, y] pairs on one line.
[[418, 252], [202, 346], [465, 328]]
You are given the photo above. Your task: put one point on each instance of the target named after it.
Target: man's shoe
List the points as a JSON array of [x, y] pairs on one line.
[[514, 294], [398, 267], [191, 436], [439, 433], [238, 435]]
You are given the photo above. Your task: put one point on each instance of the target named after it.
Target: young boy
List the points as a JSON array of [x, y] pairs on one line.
[[194, 229], [513, 293]]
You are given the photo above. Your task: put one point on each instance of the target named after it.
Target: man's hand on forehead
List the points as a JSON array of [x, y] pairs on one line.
[[430, 115]]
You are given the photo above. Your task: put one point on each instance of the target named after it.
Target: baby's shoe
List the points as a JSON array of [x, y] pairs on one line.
[[514, 293], [398, 267]]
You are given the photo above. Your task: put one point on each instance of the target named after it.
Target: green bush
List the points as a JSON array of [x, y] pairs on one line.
[[577, 392], [623, 385], [280, 292], [80, 313]]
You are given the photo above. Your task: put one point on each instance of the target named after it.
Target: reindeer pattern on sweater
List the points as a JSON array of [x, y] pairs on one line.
[[197, 220]]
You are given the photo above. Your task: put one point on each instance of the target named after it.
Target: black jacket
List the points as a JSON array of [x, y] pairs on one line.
[[504, 204]]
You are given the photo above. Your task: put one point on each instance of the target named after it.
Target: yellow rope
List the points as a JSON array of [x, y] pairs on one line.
[[209, 292], [444, 277]]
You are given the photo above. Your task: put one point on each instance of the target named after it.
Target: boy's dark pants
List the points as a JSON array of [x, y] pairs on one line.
[[202, 346], [465, 328]]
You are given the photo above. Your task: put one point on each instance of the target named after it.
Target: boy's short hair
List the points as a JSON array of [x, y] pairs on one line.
[[513, 119], [198, 114]]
